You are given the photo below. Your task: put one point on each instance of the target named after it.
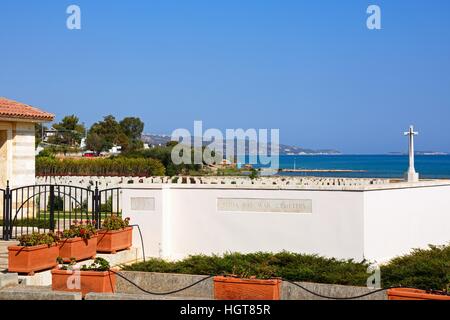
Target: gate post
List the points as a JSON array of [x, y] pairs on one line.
[[97, 206], [52, 208], [7, 229]]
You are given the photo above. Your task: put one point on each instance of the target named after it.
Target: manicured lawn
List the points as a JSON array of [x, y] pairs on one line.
[[72, 215]]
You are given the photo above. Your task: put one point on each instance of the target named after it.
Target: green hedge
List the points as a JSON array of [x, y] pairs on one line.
[[47, 166], [422, 269], [31, 223], [290, 266]]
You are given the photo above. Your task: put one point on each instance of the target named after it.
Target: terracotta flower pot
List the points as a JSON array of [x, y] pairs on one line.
[[414, 294], [83, 281], [227, 288], [111, 241], [29, 260], [78, 248]]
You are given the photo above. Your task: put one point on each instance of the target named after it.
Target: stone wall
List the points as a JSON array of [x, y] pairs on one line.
[[17, 152], [23, 169]]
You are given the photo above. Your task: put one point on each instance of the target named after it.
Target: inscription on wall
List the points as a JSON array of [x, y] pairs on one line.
[[142, 204], [303, 206]]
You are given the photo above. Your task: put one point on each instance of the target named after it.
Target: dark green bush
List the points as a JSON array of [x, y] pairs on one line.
[[46, 166], [290, 266], [423, 269]]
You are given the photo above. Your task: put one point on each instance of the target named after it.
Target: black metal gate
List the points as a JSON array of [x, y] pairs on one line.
[[2, 212], [44, 208]]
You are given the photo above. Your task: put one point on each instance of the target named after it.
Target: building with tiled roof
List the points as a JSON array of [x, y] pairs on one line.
[[17, 141], [11, 109]]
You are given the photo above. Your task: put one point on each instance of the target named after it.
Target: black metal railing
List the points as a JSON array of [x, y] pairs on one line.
[[44, 208]]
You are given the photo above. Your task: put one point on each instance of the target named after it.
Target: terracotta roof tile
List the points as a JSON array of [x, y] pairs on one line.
[[16, 110]]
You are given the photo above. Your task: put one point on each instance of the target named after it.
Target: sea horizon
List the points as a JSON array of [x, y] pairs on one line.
[[365, 165]]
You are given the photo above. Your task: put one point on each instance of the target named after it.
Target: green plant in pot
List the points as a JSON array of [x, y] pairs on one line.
[[245, 284], [95, 277], [99, 264], [80, 229], [116, 234], [37, 239], [114, 222], [79, 241], [35, 252]]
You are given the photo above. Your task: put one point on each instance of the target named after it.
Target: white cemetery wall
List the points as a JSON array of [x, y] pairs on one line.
[[397, 220], [145, 207], [177, 221]]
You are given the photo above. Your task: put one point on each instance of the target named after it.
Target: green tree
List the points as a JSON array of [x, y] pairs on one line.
[[132, 129], [69, 132], [95, 142], [103, 135]]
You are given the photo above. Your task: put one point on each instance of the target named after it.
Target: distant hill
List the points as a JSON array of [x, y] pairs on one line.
[[157, 140]]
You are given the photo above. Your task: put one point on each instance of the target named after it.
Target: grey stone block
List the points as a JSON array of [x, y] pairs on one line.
[[292, 292], [165, 282], [8, 280]]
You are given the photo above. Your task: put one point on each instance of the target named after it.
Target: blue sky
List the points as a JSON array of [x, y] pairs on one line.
[[310, 68]]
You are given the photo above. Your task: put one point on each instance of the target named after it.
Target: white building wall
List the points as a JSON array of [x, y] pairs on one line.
[[397, 220]]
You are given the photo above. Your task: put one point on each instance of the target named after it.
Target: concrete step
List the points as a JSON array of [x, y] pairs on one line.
[[36, 293], [127, 296], [8, 280]]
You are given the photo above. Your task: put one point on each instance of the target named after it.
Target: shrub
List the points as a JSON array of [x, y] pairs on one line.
[[115, 223], [37, 239], [32, 223], [290, 266], [46, 166], [422, 269]]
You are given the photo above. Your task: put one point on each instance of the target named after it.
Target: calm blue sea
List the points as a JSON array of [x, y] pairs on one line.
[[377, 166]]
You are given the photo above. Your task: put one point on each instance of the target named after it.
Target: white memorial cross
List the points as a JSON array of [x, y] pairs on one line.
[[411, 175]]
